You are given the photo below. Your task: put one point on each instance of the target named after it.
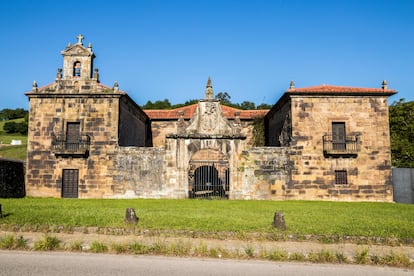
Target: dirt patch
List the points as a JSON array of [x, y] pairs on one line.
[[256, 247]]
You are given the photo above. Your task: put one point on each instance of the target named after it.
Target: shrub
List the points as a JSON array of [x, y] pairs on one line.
[[362, 256], [47, 244], [98, 247], [7, 242], [75, 246], [278, 255], [137, 248], [249, 250], [119, 248], [299, 257]]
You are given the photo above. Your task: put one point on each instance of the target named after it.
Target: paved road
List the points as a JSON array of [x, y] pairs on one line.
[[61, 263]]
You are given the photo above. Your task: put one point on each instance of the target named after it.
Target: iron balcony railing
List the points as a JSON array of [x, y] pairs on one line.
[[62, 146], [350, 146]]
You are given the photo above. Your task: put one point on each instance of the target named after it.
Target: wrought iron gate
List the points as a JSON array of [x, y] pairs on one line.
[[208, 179]]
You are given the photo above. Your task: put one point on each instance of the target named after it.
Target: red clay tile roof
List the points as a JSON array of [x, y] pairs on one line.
[[172, 114], [332, 89]]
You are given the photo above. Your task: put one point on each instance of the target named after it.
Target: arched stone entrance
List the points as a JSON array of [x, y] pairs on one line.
[[208, 175]]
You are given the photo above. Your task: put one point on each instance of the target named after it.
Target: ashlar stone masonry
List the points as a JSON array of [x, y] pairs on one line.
[[88, 140]]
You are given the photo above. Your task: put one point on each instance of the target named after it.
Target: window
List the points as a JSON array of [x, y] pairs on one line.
[[338, 136], [73, 135], [77, 68], [341, 177]]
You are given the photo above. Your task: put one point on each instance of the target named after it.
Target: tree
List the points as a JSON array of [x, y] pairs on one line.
[[10, 114], [264, 106], [402, 133], [165, 104], [224, 97], [13, 127], [247, 105]]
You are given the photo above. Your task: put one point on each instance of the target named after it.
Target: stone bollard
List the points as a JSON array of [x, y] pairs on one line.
[[279, 220], [130, 216]]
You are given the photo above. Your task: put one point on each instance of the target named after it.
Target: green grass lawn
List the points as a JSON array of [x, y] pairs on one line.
[[12, 152], [207, 216]]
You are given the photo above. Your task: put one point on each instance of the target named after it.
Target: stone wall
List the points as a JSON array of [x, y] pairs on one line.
[[264, 173], [48, 118], [368, 171], [139, 173], [161, 128], [278, 125], [11, 178], [259, 173], [132, 125]]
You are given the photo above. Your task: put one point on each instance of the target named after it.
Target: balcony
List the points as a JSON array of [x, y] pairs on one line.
[[349, 147], [63, 147]]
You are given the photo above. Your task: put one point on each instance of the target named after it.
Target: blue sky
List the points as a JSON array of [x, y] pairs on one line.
[[251, 49]]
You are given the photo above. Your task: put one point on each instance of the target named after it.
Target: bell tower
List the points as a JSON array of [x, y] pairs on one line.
[[78, 61]]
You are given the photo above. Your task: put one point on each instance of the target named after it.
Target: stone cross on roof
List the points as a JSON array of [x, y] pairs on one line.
[[80, 38]]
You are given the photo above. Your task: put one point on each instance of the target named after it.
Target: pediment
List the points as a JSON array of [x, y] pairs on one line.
[[77, 50], [209, 120]]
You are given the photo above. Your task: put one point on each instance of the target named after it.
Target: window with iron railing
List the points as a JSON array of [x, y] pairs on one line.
[[349, 145], [61, 145]]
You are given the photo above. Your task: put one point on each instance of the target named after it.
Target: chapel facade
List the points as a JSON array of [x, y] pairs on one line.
[[88, 140]]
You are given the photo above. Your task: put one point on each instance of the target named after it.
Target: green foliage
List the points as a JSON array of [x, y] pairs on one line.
[[249, 250], [98, 247], [13, 127], [264, 106], [402, 134], [7, 242], [75, 246], [362, 256], [224, 97], [137, 248], [10, 114], [47, 244], [119, 248], [278, 255], [165, 104], [258, 132]]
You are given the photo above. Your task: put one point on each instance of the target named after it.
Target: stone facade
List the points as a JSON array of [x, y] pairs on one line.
[[74, 124], [88, 140], [319, 156]]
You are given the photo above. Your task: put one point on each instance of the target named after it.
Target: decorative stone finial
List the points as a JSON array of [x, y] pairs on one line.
[[90, 45], [209, 90], [34, 86], [69, 45], [116, 86], [292, 85], [181, 124], [80, 38], [96, 74], [59, 74], [384, 85]]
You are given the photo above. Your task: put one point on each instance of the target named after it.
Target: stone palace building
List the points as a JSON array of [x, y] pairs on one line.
[[88, 140]]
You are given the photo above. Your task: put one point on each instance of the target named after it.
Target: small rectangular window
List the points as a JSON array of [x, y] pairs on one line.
[[341, 177]]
